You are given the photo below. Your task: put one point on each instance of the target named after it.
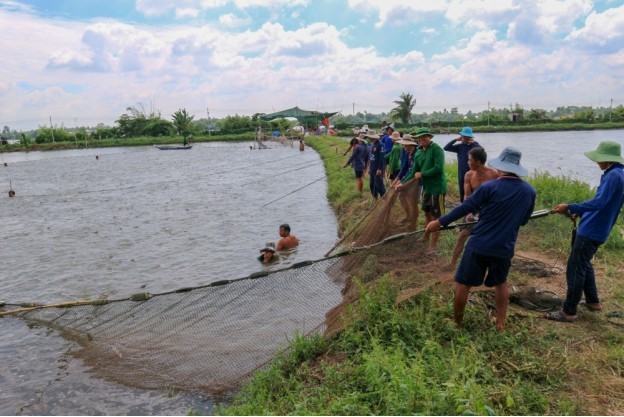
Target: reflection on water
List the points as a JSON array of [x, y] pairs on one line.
[[134, 220]]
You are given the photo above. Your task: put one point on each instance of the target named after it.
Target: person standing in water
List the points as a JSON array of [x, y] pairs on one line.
[[287, 241]]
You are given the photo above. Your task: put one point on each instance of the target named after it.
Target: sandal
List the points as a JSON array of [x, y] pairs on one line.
[[593, 306], [560, 316]]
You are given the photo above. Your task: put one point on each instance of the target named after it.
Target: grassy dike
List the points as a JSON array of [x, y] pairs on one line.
[[411, 359]]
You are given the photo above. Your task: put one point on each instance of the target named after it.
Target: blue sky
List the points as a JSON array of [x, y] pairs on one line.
[[84, 62]]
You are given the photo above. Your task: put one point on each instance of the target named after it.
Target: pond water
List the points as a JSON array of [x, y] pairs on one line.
[[134, 220], [139, 219], [558, 153]]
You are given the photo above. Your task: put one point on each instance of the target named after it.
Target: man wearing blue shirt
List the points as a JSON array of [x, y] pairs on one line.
[[504, 205], [461, 146], [358, 160], [375, 166], [598, 216]]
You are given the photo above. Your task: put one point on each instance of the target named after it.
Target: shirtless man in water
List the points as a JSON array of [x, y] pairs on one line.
[[478, 174], [287, 240]]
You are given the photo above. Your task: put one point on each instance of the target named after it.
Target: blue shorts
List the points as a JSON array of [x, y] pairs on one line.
[[473, 268], [359, 174]]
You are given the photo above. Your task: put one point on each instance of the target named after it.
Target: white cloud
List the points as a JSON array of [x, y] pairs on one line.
[[161, 7], [95, 70], [481, 14], [602, 32], [230, 20], [188, 12], [399, 12]]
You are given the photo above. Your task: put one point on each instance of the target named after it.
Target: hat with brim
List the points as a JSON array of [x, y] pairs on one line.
[[422, 132], [607, 151], [407, 140], [467, 132], [371, 135], [509, 161], [268, 247]]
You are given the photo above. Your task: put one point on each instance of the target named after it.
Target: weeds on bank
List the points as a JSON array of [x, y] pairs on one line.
[[412, 360]]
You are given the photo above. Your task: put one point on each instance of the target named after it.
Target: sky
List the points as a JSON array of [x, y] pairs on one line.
[[84, 62]]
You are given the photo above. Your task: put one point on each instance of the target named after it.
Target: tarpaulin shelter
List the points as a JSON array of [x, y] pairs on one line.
[[303, 116]]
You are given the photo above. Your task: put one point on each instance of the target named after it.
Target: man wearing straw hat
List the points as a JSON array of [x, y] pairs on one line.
[[409, 196], [598, 216], [376, 166], [504, 204]]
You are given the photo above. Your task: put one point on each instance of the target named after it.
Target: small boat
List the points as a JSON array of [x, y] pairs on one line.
[[173, 147]]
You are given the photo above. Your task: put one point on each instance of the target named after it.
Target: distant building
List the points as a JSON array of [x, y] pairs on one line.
[[5, 140], [515, 117]]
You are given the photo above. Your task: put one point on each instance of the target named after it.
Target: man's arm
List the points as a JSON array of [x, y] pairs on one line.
[[599, 201], [467, 184], [450, 147]]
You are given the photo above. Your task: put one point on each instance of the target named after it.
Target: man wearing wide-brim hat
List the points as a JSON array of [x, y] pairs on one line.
[[376, 166], [504, 205], [429, 166], [598, 216], [409, 195], [461, 146]]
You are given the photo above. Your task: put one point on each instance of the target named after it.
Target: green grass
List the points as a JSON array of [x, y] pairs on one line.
[[411, 358]]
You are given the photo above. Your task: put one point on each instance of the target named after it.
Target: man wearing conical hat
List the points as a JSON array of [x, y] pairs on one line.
[[598, 216]]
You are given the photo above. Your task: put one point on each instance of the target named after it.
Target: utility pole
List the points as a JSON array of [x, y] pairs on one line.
[[208, 112], [52, 129], [488, 113], [611, 110]]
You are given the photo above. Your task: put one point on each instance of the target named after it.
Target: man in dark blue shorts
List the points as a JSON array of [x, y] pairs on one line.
[[358, 160], [504, 204]]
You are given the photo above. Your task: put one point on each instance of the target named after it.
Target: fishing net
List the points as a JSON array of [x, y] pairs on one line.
[[391, 215], [211, 338], [537, 282], [284, 140], [207, 338]]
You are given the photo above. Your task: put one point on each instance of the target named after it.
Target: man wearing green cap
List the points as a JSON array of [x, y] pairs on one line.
[[429, 166], [598, 216]]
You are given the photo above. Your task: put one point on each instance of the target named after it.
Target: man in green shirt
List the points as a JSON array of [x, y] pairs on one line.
[[429, 166]]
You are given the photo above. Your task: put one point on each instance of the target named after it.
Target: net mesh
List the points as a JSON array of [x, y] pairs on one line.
[[205, 339], [213, 337]]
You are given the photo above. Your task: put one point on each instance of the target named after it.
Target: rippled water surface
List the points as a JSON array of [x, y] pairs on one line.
[[134, 220], [558, 153]]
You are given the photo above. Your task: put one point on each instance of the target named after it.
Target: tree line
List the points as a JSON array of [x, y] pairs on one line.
[[139, 122]]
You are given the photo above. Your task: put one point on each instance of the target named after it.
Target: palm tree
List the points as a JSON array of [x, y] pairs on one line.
[[403, 110], [182, 121]]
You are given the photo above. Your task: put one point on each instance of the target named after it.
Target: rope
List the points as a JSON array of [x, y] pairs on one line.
[[298, 189]]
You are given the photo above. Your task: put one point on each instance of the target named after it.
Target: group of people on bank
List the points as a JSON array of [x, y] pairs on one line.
[[496, 196]]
